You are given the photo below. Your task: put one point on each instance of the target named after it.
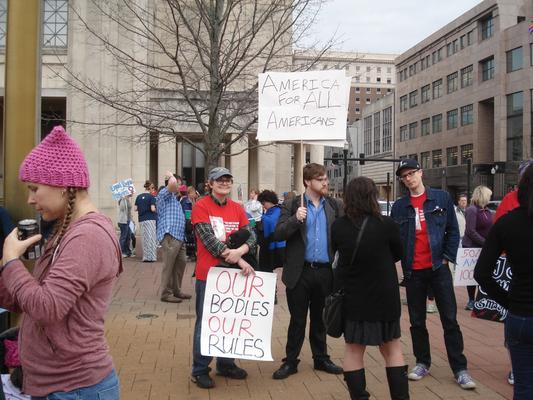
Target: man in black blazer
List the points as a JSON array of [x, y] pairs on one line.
[[307, 272]]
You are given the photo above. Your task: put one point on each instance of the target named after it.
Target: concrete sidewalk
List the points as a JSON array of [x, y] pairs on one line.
[[153, 355]]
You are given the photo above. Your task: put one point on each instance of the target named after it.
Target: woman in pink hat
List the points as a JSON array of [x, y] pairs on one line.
[[63, 349]]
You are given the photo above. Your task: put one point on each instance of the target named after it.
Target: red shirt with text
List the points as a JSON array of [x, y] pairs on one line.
[[422, 254]]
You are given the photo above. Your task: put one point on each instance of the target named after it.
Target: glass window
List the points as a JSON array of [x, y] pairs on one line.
[[3, 22], [439, 54], [412, 130], [357, 89], [367, 133], [466, 76], [449, 49], [467, 115], [436, 156], [367, 69], [412, 98], [515, 121], [387, 129], [487, 27], [424, 98], [389, 80], [55, 17], [377, 132], [452, 81], [514, 59], [378, 90], [451, 156], [437, 89], [367, 100], [424, 127], [424, 159], [357, 100], [462, 41], [467, 152], [368, 90], [451, 119], [403, 133], [368, 79], [469, 37], [403, 103], [436, 122], [487, 69]]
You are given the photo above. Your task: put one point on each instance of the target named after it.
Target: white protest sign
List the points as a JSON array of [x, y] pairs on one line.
[[464, 269], [122, 189], [237, 314], [309, 105]]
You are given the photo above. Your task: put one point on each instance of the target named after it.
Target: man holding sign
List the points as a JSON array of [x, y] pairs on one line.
[[307, 272], [215, 217]]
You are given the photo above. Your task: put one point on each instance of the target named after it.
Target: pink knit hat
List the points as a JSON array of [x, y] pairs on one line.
[[56, 161]]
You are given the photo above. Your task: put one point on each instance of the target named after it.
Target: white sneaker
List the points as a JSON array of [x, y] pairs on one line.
[[418, 372], [431, 308], [465, 380]]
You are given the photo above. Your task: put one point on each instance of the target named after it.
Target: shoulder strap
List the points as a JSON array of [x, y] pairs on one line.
[[358, 240]]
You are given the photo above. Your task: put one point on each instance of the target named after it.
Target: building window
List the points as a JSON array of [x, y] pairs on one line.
[[514, 59], [378, 90], [424, 159], [467, 115], [367, 100], [387, 129], [357, 89], [403, 133], [487, 69], [436, 157], [487, 27], [466, 76], [424, 127], [367, 133], [515, 121], [439, 54], [451, 156], [389, 90], [403, 103], [368, 79], [368, 90], [437, 89], [412, 130], [357, 100], [3, 22], [424, 94], [377, 132], [469, 37], [452, 81], [451, 119], [467, 153], [436, 122], [412, 99], [357, 78], [357, 110], [367, 69], [55, 17], [378, 79], [378, 70], [449, 50], [389, 81], [462, 42]]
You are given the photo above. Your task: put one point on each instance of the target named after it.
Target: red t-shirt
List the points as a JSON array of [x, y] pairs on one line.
[[509, 203], [224, 219], [422, 254]]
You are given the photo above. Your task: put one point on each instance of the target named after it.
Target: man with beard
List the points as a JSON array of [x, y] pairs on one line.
[[307, 272]]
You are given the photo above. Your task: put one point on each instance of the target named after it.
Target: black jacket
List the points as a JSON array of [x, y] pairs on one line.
[[293, 232]]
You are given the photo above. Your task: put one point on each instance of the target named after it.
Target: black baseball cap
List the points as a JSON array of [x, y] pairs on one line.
[[407, 163]]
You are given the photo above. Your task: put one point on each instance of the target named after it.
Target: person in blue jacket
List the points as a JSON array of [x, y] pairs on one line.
[[271, 253]]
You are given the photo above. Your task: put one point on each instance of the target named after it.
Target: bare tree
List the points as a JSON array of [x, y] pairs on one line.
[[192, 65]]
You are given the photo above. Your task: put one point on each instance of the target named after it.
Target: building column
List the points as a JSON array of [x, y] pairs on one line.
[[298, 167], [266, 158], [317, 153], [166, 160], [239, 169], [22, 98]]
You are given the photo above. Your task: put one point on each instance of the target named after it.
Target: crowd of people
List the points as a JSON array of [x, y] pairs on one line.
[[322, 244]]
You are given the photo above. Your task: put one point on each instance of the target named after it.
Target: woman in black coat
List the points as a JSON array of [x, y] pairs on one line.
[[371, 307]]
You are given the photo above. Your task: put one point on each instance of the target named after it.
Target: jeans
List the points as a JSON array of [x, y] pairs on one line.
[[519, 338], [124, 239], [440, 280], [200, 363], [107, 389], [309, 294]]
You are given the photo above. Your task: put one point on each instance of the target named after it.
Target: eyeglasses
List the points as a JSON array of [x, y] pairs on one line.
[[224, 180], [409, 174]]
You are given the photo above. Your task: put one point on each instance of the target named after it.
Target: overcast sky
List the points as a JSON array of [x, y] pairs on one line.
[[385, 26]]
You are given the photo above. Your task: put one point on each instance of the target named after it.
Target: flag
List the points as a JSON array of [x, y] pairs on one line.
[[530, 28]]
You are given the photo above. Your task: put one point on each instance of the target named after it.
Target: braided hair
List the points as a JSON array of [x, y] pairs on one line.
[[63, 226]]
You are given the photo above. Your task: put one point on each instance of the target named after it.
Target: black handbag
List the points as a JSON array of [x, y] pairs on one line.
[[332, 314]]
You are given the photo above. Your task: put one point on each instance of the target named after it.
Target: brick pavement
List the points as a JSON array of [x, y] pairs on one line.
[[153, 356]]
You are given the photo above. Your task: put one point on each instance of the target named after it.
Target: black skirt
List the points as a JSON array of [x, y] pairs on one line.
[[373, 333]]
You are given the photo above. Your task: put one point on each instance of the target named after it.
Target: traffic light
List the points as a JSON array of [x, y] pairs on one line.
[[362, 158]]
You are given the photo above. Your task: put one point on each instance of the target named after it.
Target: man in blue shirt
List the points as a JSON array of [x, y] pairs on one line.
[[171, 235], [307, 272]]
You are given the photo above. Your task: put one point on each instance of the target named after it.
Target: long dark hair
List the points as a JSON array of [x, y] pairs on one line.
[[525, 190], [361, 198]]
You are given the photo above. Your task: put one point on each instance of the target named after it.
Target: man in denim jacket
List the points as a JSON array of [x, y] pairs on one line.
[[430, 237]]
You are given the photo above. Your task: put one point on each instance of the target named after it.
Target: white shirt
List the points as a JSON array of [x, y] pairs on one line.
[[10, 391]]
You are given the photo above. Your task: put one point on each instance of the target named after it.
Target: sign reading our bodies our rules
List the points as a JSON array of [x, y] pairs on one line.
[[237, 314], [308, 105]]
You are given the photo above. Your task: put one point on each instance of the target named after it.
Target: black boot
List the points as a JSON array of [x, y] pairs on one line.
[[356, 382], [398, 383]]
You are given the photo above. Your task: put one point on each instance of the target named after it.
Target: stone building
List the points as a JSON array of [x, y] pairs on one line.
[[465, 93]]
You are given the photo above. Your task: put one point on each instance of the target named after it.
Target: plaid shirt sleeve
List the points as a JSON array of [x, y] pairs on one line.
[[252, 240], [205, 232]]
